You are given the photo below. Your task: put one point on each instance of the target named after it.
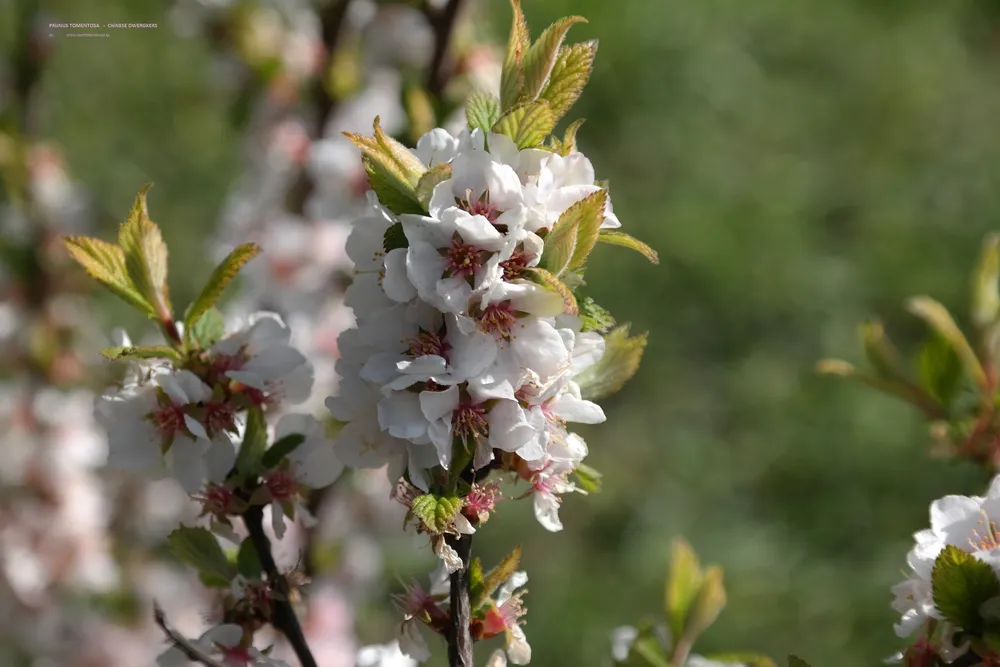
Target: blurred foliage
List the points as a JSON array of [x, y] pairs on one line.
[[799, 166]]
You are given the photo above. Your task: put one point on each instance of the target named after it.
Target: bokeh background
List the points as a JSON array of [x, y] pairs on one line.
[[799, 166]]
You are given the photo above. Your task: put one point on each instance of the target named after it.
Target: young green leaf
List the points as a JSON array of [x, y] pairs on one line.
[[707, 606], [248, 459], [569, 76], [436, 512], [247, 561], [568, 143], [985, 294], [622, 355], [647, 650], [199, 548], [569, 242], [394, 190], [881, 353], [476, 585], [593, 316], [403, 157], [906, 391], [938, 318], [425, 186], [961, 584], [615, 237], [684, 581], [141, 352], [551, 283], [105, 263], [587, 478], [940, 369], [207, 330], [541, 56], [482, 111], [501, 573], [527, 124], [512, 74], [280, 449], [223, 274], [146, 256]]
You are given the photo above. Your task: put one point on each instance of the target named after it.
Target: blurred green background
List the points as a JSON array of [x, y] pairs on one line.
[[799, 165]]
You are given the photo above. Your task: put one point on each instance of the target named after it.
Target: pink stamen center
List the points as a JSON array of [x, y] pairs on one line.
[[216, 499], [427, 343], [482, 499], [281, 484], [168, 419], [235, 656], [498, 320], [479, 206], [462, 259], [469, 422], [515, 266], [220, 416]]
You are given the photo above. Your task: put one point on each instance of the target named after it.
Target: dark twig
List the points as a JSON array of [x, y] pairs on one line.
[[181, 643], [282, 615], [459, 634], [443, 24]]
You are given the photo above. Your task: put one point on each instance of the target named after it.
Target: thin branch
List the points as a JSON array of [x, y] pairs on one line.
[[459, 634], [180, 642], [282, 615], [443, 24]]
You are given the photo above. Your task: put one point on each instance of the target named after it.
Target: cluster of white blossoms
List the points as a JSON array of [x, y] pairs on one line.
[[455, 346], [968, 523]]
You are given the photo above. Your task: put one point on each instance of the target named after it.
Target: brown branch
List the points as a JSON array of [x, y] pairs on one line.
[[283, 617], [459, 634], [443, 24], [181, 643]]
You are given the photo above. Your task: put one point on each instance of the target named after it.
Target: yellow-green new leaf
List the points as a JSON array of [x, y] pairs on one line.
[[880, 352], [512, 74], [615, 237], [394, 190], [569, 242], [985, 294], [684, 579], [551, 282], [482, 111], [541, 56], [218, 281], [622, 355], [905, 390], [408, 163], [569, 76], [938, 318], [105, 263], [146, 256], [141, 352], [436, 512], [199, 548], [501, 573], [707, 606], [568, 143], [527, 124], [425, 187]]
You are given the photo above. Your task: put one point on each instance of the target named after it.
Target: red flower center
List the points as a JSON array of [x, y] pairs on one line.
[[498, 320], [478, 206], [281, 484], [462, 259], [469, 422], [168, 419], [513, 267]]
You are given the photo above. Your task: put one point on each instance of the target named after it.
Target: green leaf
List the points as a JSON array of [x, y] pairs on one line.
[[394, 238], [552, 284], [684, 580], [501, 573], [512, 74], [569, 77], [393, 171], [482, 111], [748, 659], [880, 352], [795, 661], [615, 237], [477, 583], [541, 56], [105, 263], [212, 581], [568, 143], [898, 388], [588, 478], [199, 548], [247, 561], [985, 294], [708, 604], [436, 512], [280, 449], [207, 330], [622, 355], [402, 156], [961, 584], [940, 369], [141, 352], [425, 187], [569, 242], [938, 318], [594, 317], [527, 124], [219, 280], [248, 459], [146, 256], [647, 650]]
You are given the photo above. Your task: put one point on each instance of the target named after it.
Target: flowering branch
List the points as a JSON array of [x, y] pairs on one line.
[[181, 643], [459, 634], [284, 617]]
